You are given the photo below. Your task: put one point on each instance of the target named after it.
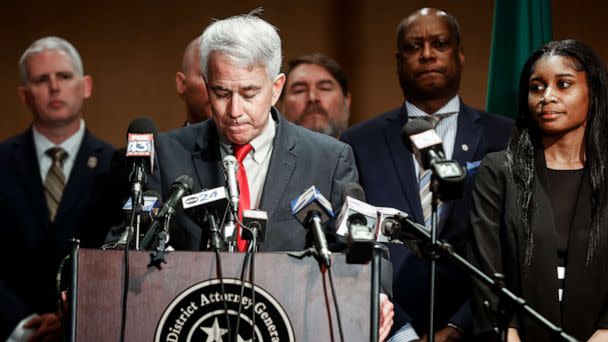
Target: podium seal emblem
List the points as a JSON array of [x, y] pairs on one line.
[[199, 314]]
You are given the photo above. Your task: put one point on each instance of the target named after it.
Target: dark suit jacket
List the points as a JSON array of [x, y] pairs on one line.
[[300, 158], [496, 246], [32, 246], [387, 173]]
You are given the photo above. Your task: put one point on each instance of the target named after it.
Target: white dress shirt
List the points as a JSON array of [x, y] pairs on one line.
[[446, 128], [256, 162], [70, 145]]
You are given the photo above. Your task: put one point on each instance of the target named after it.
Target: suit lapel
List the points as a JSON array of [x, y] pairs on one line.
[[280, 170], [542, 275], [206, 158], [81, 177], [468, 135], [28, 175], [578, 286], [403, 162]]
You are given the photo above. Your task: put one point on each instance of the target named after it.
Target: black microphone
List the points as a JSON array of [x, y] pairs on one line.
[[357, 220], [206, 208], [180, 188], [140, 144], [230, 167], [427, 146], [425, 142], [408, 232], [140, 153], [117, 235], [255, 219], [312, 210]]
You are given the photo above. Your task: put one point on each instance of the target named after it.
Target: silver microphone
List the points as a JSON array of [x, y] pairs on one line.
[[231, 167]]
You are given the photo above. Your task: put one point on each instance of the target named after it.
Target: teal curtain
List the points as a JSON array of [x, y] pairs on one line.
[[519, 28]]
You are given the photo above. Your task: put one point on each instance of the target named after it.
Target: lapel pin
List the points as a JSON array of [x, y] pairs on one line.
[[465, 147], [92, 162]]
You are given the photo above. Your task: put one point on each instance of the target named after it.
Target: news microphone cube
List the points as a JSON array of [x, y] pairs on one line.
[[255, 219], [141, 145], [197, 205], [311, 201]]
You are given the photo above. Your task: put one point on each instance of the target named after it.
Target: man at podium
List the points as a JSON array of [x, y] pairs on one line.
[[241, 61]]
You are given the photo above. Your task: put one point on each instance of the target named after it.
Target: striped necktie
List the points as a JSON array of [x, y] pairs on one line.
[[425, 179], [55, 180]]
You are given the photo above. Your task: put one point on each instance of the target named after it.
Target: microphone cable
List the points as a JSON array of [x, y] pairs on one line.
[[248, 260], [135, 216], [125, 285], [333, 294], [219, 274]]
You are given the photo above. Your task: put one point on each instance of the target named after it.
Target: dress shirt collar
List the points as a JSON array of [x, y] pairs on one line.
[[262, 144], [452, 106], [70, 145]]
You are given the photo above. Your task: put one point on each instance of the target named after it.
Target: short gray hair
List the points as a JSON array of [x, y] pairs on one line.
[[49, 43], [247, 39]]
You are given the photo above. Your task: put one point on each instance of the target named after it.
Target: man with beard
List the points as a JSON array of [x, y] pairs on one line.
[[316, 94], [429, 60], [190, 85]]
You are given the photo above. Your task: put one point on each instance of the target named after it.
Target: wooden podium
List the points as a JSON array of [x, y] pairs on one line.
[[157, 298]]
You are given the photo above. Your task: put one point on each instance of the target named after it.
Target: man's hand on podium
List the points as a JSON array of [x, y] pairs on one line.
[[47, 327], [386, 317]]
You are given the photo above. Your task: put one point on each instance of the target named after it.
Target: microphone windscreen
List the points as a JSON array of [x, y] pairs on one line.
[[186, 182], [142, 125], [353, 190], [414, 126]]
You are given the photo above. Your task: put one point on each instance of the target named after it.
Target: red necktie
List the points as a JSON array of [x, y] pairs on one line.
[[240, 152]]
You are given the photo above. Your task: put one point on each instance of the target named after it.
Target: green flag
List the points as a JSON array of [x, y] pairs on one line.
[[520, 27]]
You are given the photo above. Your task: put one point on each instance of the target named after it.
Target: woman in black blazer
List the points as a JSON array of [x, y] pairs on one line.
[[540, 209]]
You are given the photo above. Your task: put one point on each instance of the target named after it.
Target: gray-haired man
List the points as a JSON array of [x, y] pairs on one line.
[[48, 174], [241, 60]]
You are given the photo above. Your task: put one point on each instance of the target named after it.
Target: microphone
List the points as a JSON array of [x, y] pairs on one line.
[[181, 187], [255, 219], [140, 144], [357, 220], [152, 204], [230, 167], [404, 229], [425, 141], [428, 149], [140, 153], [312, 209], [383, 214], [117, 235], [204, 208]]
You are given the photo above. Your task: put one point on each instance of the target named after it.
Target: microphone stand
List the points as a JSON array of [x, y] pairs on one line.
[[433, 255], [377, 251], [215, 243], [138, 177], [159, 256], [508, 299], [231, 226], [215, 239]]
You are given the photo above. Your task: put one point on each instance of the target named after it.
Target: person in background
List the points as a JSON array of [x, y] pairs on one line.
[[429, 60], [190, 85], [539, 207], [48, 174], [316, 94]]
